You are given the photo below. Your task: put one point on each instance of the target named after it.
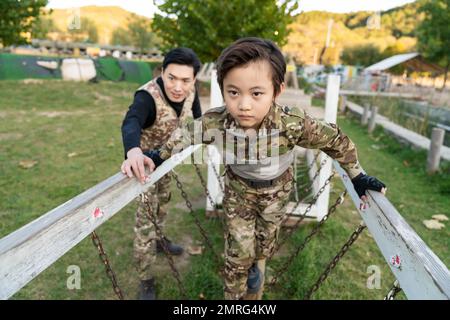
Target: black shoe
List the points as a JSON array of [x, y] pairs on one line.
[[254, 279], [147, 290], [172, 248]]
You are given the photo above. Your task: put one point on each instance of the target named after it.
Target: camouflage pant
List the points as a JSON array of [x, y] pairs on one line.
[[145, 235], [253, 219]]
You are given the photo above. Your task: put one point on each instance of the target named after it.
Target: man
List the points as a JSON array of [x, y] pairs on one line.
[[158, 108]]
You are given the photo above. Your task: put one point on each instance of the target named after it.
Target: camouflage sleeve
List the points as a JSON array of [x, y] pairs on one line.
[[328, 137], [204, 130], [184, 136]]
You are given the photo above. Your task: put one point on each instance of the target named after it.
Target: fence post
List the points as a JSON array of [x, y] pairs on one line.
[[213, 153], [331, 106], [343, 105], [372, 122], [434, 153], [365, 115]]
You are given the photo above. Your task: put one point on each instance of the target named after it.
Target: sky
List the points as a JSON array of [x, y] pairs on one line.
[[147, 8]]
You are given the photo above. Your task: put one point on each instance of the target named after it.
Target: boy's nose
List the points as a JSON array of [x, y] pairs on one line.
[[244, 107]]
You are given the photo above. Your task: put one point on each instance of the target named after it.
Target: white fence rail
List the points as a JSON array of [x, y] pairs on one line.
[[28, 251]]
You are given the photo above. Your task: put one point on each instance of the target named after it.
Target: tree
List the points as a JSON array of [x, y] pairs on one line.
[[121, 36], [208, 26], [434, 34], [140, 32], [362, 55], [17, 19], [87, 32], [42, 27]]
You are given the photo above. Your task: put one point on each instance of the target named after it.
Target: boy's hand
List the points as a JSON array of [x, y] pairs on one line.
[[135, 163], [363, 182]]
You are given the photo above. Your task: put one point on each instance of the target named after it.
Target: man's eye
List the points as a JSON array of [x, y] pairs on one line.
[[257, 94], [233, 93]]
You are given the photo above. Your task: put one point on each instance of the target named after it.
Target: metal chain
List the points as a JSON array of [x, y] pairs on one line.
[[335, 260], [303, 216], [315, 176], [395, 289], [218, 179], [191, 211], [208, 194], [109, 271], [151, 216], [307, 239]]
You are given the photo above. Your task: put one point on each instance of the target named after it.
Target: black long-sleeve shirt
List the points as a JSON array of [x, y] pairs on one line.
[[142, 114]]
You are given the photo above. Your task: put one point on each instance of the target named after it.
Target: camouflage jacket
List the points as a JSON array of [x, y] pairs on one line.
[[292, 127]]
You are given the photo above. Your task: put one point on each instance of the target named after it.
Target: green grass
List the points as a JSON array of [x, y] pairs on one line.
[[47, 122]]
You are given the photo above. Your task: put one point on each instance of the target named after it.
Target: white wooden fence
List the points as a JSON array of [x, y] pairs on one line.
[[26, 252]]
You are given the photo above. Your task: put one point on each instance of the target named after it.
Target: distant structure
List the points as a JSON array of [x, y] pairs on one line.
[[93, 50]]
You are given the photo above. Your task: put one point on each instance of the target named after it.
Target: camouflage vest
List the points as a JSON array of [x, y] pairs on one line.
[[166, 120]]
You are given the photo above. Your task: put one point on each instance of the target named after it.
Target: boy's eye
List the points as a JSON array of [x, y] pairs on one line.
[[170, 78], [257, 94], [232, 92]]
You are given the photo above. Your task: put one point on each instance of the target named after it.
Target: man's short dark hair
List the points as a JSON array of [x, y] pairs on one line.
[[183, 56], [252, 49]]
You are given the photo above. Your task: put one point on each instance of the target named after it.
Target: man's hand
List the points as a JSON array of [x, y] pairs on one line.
[[135, 163], [363, 182]]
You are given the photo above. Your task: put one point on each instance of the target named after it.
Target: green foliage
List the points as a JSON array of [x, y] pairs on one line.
[[208, 26], [86, 33], [17, 19], [362, 55], [434, 34], [141, 33], [138, 34], [42, 27], [121, 36], [309, 30]]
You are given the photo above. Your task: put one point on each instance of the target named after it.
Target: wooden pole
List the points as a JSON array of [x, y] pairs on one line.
[[434, 153], [365, 115], [373, 117]]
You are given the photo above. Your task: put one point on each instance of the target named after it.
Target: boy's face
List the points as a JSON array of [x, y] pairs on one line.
[[178, 81], [248, 93]]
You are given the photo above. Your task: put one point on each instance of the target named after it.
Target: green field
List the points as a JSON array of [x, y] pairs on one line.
[[72, 131]]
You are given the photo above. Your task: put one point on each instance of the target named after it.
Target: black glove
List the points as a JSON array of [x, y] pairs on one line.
[[363, 182]]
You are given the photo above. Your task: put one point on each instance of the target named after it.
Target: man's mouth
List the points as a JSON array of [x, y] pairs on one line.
[[177, 96]]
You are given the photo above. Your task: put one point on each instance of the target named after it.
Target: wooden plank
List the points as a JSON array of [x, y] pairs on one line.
[[421, 274], [409, 136], [31, 249], [380, 94]]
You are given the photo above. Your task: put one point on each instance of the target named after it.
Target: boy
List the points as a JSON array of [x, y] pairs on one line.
[[257, 185], [157, 110]]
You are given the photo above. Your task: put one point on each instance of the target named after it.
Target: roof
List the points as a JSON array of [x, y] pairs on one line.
[[392, 61]]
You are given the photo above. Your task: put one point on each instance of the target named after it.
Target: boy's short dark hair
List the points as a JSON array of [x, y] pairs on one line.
[[250, 49], [183, 56]]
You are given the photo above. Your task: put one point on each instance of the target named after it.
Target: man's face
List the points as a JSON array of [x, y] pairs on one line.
[[178, 81], [248, 93]]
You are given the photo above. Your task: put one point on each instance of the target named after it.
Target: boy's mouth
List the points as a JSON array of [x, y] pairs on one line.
[[245, 117]]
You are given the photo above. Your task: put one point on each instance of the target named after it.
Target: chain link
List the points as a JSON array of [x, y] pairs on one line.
[[151, 215], [196, 221], [395, 289], [308, 189], [104, 258], [290, 231], [307, 239], [335, 260]]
